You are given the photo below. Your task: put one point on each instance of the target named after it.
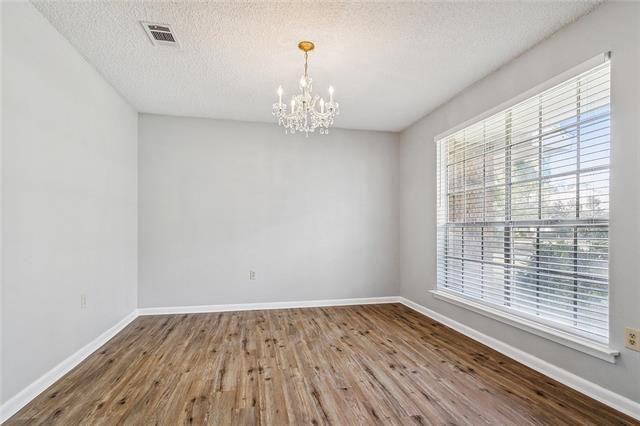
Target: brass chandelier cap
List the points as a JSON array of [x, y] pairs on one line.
[[306, 46]]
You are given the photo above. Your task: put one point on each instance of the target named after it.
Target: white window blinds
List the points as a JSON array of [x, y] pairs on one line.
[[523, 208]]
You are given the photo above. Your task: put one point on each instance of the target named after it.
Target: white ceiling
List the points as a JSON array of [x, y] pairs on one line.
[[390, 62]]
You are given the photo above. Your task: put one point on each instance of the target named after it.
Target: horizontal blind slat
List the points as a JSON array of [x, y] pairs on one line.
[[556, 309], [510, 281]]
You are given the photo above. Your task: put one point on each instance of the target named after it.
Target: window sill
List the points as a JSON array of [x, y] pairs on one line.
[[583, 345]]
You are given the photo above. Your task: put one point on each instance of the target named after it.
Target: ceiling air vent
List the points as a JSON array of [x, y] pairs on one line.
[[160, 34]]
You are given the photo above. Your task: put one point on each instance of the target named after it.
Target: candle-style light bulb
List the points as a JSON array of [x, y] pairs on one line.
[[322, 105], [293, 104], [331, 94], [280, 91], [303, 82]]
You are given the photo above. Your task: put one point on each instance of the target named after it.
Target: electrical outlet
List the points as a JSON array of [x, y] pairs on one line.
[[252, 275], [83, 301], [632, 338]]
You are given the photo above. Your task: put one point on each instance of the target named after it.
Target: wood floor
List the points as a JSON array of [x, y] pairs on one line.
[[373, 364]]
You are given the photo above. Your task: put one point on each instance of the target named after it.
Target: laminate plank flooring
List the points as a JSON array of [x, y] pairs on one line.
[[351, 365]]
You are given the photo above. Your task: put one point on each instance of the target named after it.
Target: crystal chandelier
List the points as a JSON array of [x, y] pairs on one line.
[[308, 112]]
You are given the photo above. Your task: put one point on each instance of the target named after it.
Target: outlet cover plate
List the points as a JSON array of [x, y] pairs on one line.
[[632, 338]]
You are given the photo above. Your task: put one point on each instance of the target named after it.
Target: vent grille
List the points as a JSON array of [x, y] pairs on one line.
[[160, 34]]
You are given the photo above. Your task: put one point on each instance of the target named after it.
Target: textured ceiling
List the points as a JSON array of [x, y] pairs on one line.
[[389, 62]]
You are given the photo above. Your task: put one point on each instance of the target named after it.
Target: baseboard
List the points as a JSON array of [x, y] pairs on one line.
[[597, 392], [266, 306], [22, 398]]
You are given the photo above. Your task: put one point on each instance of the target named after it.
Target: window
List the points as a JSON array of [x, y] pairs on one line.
[[523, 208]]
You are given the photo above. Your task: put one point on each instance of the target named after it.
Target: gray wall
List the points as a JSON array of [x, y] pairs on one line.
[[615, 27], [314, 218], [69, 161]]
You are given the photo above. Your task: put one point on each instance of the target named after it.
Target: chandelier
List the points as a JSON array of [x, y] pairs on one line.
[[308, 112]]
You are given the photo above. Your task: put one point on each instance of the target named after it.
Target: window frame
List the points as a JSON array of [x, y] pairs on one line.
[[551, 330]]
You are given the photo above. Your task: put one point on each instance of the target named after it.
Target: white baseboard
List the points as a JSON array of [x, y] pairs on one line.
[[22, 398], [597, 392], [267, 305]]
